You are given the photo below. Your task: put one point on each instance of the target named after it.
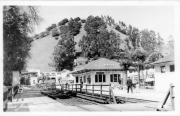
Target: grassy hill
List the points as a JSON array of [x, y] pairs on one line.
[[42, 49]]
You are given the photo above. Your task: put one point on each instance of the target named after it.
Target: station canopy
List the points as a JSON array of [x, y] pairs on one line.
[[102, 64]]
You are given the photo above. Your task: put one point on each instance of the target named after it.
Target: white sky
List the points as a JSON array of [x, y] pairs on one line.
[[157, 18]]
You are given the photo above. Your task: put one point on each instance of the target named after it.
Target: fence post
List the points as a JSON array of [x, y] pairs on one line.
[[172, 96], [92, 90], [86, 88], [81, 86], [109, 92], [76, 88], [101, 89], [72, 87]]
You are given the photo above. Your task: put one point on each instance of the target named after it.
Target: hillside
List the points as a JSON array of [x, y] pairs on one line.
[[42, 49]]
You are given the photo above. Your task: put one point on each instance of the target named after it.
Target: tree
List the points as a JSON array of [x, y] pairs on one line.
[[55, 32], [18, 22], [63, 22], [98, 41], [152, 46], [170, 44], [64, 53], [22, 80]]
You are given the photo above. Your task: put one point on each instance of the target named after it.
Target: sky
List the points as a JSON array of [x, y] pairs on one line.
[[157, 18]]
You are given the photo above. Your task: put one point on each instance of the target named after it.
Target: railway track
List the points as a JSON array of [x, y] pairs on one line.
[[87, 99], [79, 102]]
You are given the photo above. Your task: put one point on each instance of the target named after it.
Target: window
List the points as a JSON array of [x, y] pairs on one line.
[[171, 68], [163, 69], [112, 80], [96, 78], [114, 77], [100, 78], [77, 80], [104, 78]]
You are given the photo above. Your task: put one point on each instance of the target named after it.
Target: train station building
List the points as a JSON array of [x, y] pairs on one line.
[[101, 71]]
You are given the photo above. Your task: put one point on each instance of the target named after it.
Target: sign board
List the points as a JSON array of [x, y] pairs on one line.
[[15, 78], [99, 72]]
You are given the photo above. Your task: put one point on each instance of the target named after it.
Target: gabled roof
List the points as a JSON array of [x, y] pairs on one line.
[[102, 64], [166, 59]]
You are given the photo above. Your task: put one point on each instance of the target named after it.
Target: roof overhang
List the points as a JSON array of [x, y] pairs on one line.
[[162, 63]]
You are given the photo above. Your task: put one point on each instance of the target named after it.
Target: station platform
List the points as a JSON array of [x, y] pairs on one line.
[[145, 94]]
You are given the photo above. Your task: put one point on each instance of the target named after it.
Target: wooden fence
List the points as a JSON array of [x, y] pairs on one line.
[[79, 88], [8, 93]]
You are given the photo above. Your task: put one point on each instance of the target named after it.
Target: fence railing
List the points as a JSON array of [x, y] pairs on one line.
[[8, 94], [86, 88]]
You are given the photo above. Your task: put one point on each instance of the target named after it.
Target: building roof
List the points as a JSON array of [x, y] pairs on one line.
[[102, 64], [166, 59]]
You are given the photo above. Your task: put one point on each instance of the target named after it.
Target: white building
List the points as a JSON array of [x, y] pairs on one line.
[[164, 72], [103, 71]]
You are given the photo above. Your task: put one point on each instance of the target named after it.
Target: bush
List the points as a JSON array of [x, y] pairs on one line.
[[43, 34], [77, 19], [64, 29], [53, 26], [50, 27], [83, 20], [56, 37], [63, 22], [37, 36], [74, 27], [30, 39], [55, 32]]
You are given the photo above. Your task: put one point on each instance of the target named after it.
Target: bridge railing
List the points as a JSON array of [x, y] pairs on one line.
[[86, 88]]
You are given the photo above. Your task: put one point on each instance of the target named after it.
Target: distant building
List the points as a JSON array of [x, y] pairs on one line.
[[164, 72]]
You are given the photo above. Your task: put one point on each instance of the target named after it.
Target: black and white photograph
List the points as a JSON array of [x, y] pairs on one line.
[[91, 56]]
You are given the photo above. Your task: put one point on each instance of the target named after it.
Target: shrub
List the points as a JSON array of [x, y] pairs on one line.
[[30, 39], [53, 26], [77, 19], [55, 32], [83, 20], [56, 37], [37, 36], [64, 29], [44, 34], [74, 27], [50, 27], [63, 22]]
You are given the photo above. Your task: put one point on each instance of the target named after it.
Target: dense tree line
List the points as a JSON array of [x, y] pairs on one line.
[[18, 22]]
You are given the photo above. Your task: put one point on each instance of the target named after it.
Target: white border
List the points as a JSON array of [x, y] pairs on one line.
[[176, 5]]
